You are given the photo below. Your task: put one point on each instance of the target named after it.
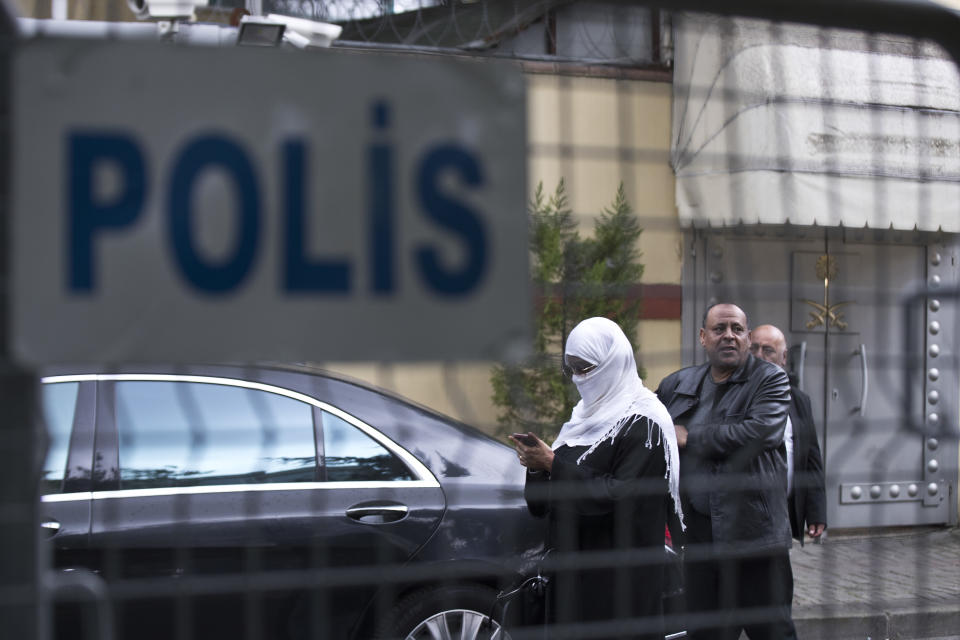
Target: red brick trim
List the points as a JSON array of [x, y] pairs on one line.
[[651, 74], [660, 301]]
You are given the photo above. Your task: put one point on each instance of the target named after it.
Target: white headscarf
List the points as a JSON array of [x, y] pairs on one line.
[[612, 394]]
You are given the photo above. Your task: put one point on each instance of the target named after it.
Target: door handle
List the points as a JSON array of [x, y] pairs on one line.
[[377, 513], [864, 380], [803, 360], [50, 527]]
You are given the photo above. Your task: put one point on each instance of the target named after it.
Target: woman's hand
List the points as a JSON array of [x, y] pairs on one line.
[[533, 452]]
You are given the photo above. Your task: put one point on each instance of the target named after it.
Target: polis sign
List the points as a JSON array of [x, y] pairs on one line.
[[176, 204]]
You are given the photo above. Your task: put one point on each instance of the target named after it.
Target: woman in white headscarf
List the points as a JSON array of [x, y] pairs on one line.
[[606, 485]]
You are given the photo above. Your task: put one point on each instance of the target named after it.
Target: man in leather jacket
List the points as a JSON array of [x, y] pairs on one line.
[[730, 415]]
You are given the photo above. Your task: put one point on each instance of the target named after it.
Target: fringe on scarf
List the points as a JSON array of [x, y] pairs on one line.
[[627, 421]]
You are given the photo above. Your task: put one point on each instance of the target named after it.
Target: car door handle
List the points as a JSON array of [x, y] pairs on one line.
[[50, 527], [377, 513]]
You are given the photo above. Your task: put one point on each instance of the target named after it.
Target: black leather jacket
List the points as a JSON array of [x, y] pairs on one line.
[[737, 454]]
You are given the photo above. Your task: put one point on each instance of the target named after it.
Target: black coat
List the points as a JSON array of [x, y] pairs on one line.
[[736, 456], [809, 501], [615, 500]]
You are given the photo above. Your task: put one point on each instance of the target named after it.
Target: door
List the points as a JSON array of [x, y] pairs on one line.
[[202, 478], [858, 349]]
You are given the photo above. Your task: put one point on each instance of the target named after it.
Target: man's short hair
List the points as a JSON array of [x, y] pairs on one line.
[[703, 321]]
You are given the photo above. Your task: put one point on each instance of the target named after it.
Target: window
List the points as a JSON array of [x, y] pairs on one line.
[[352, 455], [59, 406], [175, 434]]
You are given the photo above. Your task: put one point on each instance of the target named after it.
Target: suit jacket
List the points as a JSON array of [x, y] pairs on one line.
[[808, 504], [737, 455]]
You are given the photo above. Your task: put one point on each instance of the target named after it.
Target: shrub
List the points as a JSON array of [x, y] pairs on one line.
[[573, 278]]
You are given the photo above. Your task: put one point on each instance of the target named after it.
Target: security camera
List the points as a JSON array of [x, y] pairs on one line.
[[139, 8], [165, 9], [311, 33], [298, 32]]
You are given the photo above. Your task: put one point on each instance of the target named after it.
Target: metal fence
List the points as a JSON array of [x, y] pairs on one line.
[[798, 159]]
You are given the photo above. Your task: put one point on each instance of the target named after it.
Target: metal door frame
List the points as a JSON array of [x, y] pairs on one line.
[[936, 345]]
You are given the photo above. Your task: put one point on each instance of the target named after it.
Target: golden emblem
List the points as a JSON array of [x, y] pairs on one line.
[[826, 268], [826, 314]]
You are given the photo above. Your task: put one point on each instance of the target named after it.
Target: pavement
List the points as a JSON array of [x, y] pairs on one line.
[[878, 584]]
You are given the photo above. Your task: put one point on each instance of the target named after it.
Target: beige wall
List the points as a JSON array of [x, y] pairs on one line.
[[33, 8], [111, 10], [461, 390], [659, 342], [619, 130]]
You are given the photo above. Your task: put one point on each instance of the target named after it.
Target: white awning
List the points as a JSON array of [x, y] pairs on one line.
[[784, 123]]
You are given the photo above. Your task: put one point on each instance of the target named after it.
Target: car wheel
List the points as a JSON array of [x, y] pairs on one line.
[[457, 612]]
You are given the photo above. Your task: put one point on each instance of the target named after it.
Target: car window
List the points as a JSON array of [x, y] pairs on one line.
[[352, 455], [174, 434], [59, 406]]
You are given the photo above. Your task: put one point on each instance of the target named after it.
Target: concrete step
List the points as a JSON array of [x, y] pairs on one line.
[[891, 621]]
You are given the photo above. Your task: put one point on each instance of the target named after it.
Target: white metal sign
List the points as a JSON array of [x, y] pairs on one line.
[[180, 204]]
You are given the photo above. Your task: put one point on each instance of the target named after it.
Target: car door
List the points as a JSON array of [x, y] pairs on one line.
[[201, 476]]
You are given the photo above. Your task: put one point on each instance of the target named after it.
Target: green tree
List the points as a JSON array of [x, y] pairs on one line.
[[574, 278]]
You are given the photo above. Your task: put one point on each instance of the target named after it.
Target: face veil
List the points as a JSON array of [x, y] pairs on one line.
[[612, 395]]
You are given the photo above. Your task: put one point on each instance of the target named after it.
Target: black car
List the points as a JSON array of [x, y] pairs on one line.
[[276, 501]]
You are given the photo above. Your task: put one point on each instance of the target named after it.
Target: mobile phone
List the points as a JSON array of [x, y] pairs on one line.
[[525, 438]]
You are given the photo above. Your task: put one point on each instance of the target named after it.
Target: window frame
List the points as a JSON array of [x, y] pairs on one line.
[[325, 431], [106, 439], [80, 441]]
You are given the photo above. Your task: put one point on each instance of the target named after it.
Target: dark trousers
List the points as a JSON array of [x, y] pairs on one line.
[[729, 591]]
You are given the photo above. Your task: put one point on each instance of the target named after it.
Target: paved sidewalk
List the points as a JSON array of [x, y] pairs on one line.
[[900, 583]]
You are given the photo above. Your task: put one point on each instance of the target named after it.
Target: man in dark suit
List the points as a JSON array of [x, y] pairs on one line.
[[729, 414], [805, 485]]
